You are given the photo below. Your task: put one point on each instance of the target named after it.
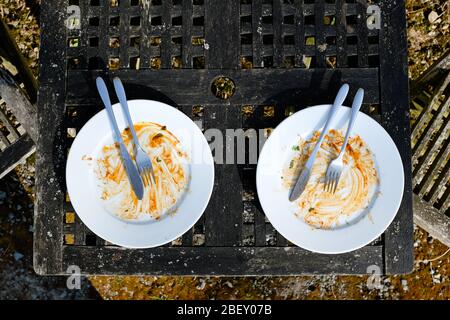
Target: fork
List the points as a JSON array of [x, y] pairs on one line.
[[336, 166], [303, 178], [143, 161], [130, 168]]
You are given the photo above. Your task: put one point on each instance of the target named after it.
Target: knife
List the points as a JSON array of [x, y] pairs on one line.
[[303, 178], [130, 168]]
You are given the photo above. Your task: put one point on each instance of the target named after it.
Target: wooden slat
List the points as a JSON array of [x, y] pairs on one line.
[[281, 241], [429, 173], [394, 107], [166, 41], [15, 154], [319, 13], [341, 31], [438, 70], [49, 196], [9, 48], [7, 123], [363, 44], [422, 122], [445, 201], [79, 231], [299, 34], [219, 261], [187, 236], [260, 219], [438, 166], [430, 140], [124, 31], [145, 35], [440, 187], [83, 31], [24, 111], [4, 140], [257, 33], [278, 41], [187, 34], [255, 86], [433, 221], [103, 38], [222, 34], [223, 216]]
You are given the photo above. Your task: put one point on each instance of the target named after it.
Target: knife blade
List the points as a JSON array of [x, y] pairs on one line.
[[130, 168], [303, 178], [300, 185]]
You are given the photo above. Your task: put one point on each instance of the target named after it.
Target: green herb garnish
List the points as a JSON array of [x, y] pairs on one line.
[[291, 164]]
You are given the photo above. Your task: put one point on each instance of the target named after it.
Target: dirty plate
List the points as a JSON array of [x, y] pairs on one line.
[[85, 188], [369, 223]]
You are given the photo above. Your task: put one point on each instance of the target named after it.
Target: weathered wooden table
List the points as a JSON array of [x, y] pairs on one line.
[[282, 55]]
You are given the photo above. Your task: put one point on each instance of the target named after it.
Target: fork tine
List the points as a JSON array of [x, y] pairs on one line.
[[144, 180], [144, 173], [330, 181], [338, 176], [147, 173], [333, 187], [153, 175], [149, 178]]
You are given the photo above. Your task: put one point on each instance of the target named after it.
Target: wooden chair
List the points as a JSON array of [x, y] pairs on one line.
[[18, 90], [430, 102]]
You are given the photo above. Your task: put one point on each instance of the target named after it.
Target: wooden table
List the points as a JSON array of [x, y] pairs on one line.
[[281, 55]]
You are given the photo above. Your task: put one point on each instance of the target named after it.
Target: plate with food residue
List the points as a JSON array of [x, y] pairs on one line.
[[366, 200], [100, 191]]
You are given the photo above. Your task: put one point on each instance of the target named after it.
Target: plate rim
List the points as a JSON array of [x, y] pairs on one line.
[[210, 164], [353, 248]]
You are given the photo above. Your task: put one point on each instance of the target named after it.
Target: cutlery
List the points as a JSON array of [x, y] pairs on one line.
[[143, 161], [130, 168], [337, 165], [303, 178]]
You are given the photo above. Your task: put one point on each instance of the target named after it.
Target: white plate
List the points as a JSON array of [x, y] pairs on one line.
[[82, 182], [280, 211]]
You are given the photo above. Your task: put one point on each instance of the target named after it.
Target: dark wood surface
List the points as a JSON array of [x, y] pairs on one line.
[[395, 119], [288, 73], [254, 87], [50, 150], [218, 260]]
